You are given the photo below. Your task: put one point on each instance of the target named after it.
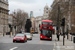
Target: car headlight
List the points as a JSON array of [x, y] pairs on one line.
[[22, 38], [14, 38], [28, 36]]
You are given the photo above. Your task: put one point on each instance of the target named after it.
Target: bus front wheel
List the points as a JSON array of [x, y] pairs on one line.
[[41, 39], [51, 40]]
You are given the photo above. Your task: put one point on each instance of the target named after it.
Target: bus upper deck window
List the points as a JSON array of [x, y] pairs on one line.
[[50, 23], [44, 23]]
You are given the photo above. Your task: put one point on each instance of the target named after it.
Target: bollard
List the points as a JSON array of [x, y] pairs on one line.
[[10, 34], [73, 39]]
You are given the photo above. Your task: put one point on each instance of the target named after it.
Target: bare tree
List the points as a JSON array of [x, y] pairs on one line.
[[20, 19], [63, 11]]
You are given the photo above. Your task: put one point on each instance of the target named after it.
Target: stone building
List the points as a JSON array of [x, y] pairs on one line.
[[39, 19], [4, 16], [32, 20], [37, 23], [72, 14], [61, 4], [33, 23], [67, 11], [46, 13], [11, 21]]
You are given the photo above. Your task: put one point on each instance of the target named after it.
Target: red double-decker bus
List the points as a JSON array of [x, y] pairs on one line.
[[46, 30]]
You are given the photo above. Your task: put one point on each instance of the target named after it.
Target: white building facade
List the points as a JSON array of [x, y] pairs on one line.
[[37, 23]]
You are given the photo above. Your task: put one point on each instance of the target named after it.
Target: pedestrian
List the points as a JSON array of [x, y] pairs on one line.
[[59, 33], [58, 36]]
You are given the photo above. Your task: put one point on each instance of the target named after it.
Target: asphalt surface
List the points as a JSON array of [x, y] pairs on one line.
[[6, 43]]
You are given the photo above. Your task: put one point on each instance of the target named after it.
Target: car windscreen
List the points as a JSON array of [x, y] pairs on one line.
[[23, 31], [19, 35], [27, 33]]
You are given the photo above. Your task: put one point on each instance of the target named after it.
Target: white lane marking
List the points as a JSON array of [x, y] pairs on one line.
[[58, 47], [54, 45], [53, 49], [13, 48], [40, 49]]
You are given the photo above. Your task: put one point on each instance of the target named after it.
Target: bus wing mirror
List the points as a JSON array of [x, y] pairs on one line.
[[39, 25]]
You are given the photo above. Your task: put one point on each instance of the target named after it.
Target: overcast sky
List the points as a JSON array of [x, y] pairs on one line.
[[29, 5]]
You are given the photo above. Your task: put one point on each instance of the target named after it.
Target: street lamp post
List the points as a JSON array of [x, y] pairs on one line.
[[67, 31], [14, 23], [58, 21]]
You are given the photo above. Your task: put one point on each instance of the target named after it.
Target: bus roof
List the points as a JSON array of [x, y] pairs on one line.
[[47, 21]]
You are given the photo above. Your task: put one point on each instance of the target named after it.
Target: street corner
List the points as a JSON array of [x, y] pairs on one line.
[[65, 47], [70, 47]]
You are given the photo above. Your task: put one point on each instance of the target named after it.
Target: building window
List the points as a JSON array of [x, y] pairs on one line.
[[66, 0], [47, 12], [46, 8]]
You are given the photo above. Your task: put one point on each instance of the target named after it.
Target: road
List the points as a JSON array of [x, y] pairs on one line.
[[34, 44]]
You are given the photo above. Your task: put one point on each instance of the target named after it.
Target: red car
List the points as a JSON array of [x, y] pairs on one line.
[[20, 38]]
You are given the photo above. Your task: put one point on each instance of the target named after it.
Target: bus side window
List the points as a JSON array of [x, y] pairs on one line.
[[42, 23]]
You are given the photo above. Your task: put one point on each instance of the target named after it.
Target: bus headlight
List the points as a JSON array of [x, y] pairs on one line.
[[50, 37], [41, 36]]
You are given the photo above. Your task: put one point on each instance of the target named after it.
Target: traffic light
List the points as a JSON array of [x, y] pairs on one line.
[[9, 25], [15, 27], [63, 22], [57, 28], [28, 25]]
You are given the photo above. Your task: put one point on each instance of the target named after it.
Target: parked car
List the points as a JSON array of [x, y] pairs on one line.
[[7, 33], [29, 36], [20, 38], [35, 32]]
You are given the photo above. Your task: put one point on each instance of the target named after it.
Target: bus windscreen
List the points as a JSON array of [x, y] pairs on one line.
[[47, 23], [47, 33]]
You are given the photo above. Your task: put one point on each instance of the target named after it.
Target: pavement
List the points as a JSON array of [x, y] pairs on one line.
[[68, 44], [6, 43]]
